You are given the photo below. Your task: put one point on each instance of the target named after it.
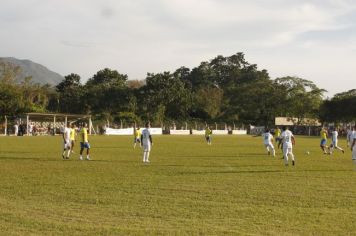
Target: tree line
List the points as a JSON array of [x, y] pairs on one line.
[[228, 89]]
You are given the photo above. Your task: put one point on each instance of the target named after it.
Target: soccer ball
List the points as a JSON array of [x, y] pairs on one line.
[[307, 152]]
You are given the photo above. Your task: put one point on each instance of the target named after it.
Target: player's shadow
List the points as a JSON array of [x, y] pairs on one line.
[[252, 154], [229, 172], [327, 170], [21, 158]]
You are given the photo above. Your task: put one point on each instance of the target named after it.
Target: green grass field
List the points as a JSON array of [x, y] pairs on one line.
[[189, 188]]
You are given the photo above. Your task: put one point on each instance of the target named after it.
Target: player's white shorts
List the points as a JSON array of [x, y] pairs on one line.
[[270, 145], [287, 150], [67, 145], [334, 143], [147, 147]]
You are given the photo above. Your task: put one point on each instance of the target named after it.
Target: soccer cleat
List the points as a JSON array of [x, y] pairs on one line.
[[81, 158], [293, 163], [88, 158], [343, 151], [63, 157]]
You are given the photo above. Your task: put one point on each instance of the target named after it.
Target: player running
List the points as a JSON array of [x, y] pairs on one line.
[[267, 140], [334, 139], [353, 146], [349, 136], [146, 141], [208, 134], [66, 141], [137, 136], [288, 141], [323, 136], [277, 134], [84, 143], [72, 137]]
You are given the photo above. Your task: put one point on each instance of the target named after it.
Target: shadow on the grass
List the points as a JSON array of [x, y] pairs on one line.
[[26, 159], [230, 172], [212, 166]]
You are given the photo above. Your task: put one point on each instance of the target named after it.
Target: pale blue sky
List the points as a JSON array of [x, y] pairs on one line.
[[315, 40]]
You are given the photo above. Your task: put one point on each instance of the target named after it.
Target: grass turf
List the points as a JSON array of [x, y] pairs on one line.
[[231, 187]]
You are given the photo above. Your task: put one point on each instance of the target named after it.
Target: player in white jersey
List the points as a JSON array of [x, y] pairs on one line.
[[349, 136], [146, 142], [353, 146], [267, 141], [334, 140], [288, 142], [67, 142]]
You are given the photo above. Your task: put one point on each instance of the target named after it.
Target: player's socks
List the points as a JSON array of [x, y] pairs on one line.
[[147, 156], [286, 159]]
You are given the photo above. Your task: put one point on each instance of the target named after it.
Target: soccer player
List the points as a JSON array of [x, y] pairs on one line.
[[334, 139], [288, 142], [84, 142], [66, 141], [208, 134], [349, 136], [267, 140], [146, 141], [277, 134], [72, 137], [324, 136], [137, 136], [353, 146]]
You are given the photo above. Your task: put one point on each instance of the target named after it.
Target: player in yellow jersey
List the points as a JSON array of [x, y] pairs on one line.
[[277, 134], [72, 137], [323, 136], [84, 142], [208, 134], [137, 136]]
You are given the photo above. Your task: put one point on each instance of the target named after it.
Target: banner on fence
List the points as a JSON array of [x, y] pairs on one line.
[[198, 132], [220, 132], [239, 132], [179, 132], [129, 131]]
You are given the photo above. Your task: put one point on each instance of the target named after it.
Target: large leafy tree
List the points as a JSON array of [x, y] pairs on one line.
[[256, 103], [16, 98], [303, 99], [165, 96], [71, 92], [107, 92], [208, 102], [339, 108]]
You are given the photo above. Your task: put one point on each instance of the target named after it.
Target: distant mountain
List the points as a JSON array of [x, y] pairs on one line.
[[40, 74]]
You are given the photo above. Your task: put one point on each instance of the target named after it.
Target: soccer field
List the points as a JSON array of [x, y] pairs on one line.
[[189, 188]]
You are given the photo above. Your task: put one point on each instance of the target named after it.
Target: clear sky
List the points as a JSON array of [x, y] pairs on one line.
[[315, 40]]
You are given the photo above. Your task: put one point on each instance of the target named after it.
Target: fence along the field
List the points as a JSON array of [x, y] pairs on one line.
[[176, 128]]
